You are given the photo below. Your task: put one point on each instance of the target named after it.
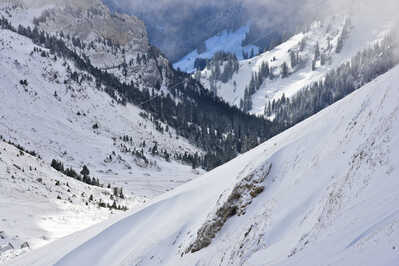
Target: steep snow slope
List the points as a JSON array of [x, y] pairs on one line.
[[225, 41], [55, 115], [357, 35], [39, 205], [324, 192]]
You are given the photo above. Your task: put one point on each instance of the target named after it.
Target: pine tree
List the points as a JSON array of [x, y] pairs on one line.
[[313, 65], [85, 171], [340, 44], [322, 59], [284, 70], [317, 52], [252, 53]]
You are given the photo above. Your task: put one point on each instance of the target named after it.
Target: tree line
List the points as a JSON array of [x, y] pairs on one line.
[[197, 114], [338, 83]]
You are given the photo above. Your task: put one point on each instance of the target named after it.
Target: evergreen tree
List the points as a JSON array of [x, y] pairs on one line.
[[317, 52], [85, 171], [284, 70]]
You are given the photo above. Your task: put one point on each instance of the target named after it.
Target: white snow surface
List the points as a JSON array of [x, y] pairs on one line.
[[226, 41], [54, 116], [39, 205], [330, 199], [361, 36]]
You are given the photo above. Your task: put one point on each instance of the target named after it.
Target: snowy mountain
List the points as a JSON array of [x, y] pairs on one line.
[[295, 63], [78, 124], [104, 145], [322, 193], [230, 42], [177, 27], [116, 107], [112, 42], [61, 111]]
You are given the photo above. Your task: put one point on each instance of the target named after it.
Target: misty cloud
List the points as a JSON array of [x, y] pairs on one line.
[[178, 26]]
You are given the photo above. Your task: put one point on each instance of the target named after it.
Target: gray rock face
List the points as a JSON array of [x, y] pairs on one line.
[[90, 19], [236, 203], [113, 42]]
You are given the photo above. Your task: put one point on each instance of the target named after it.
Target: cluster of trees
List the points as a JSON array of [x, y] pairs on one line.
[[363, 68], [269, 38], [247, 55], [113, 206], [83, 176], [198, 115], [343, 35], [320, 56], [195, 160], [323, 56], [200, 63], [20, 148], [257, 80], [223, 65]]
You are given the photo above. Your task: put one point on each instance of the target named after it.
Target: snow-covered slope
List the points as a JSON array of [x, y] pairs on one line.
[[230, 42], [324, 192], [52, 107], [39, 205], [57, 117], [352, 29]]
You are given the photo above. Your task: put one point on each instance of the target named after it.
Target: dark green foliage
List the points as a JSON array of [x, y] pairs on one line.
[[313, 65], [284, 70], [59, 166], [256, 82], [265, 37], [22, 149], [294, 56], [317, 52], [85, 171], [23, 82], [223, 65], [200, 63]]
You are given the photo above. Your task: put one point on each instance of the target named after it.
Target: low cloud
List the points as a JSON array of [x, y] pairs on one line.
[[169, 21]]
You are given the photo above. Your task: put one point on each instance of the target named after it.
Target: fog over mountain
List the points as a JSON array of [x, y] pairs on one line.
[[179, 26]]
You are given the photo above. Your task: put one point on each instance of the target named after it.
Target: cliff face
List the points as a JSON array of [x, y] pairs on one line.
[[113, 42], [90, 19]]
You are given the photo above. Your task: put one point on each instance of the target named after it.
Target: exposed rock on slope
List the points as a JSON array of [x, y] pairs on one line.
[[235, 204]]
